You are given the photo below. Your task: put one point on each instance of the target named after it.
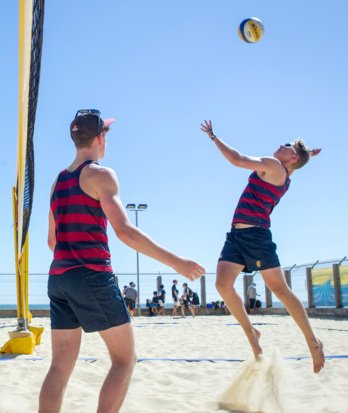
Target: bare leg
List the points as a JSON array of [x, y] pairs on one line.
[[65, 349], [192, 311], [276, 282], [175, 309], [120, 343], [226, 275]]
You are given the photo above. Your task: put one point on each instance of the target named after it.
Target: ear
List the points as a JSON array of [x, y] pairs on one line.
[[315, 152], [100, 138]]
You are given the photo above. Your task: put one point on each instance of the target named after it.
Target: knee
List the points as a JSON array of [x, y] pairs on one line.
[[127, 362], [281, 291], [223, 285], [61, 369]]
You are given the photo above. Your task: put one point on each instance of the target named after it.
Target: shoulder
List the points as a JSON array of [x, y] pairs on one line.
[[272, 171], [271, 161], [96, 170], [99, 178]]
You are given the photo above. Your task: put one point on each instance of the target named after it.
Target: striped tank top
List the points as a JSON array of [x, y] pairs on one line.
[[258, 200], [80, 225]]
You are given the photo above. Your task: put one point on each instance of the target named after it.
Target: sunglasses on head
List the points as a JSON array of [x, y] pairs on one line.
[[92, 112]]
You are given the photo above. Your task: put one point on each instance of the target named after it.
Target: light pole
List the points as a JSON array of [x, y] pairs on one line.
[[136, 209]]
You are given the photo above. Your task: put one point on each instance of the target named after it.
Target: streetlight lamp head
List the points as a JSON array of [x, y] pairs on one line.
[[130, 206], [142, 206]]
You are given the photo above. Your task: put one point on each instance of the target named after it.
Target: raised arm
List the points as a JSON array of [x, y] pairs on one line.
[[107, 190], [268, 165]]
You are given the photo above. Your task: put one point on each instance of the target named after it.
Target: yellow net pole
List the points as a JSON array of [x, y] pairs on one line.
[[25, 337], [25, 28]]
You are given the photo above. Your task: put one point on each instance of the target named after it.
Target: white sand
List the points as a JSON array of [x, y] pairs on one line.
[[274, 385]]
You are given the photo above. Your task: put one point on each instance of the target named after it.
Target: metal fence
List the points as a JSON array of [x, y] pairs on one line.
[[149, 283]]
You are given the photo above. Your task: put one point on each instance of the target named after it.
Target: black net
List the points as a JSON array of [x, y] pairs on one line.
[[35, 65]]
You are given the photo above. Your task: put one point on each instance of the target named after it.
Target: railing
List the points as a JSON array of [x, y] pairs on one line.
[[316, 284]]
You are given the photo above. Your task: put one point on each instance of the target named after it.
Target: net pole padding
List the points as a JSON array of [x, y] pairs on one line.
[[15, 238], [22, 282]]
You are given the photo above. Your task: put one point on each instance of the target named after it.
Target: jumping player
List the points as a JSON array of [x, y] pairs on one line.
[[249, 244]]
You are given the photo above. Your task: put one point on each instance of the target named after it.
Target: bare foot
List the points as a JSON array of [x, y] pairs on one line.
[[254, 339], [318, 357]]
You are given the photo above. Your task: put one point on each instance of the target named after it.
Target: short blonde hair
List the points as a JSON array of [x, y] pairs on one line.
[[303, 153]]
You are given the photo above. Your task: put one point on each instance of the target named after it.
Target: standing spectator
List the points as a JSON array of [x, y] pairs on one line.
[[161, 300], [186, 300], [195, 302], [130, 297], [175, 296], [252, 294]]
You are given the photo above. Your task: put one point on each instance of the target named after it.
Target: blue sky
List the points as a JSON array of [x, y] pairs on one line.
[[160, 67]]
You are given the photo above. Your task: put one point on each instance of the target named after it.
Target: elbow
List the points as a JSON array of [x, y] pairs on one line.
[[51, 244], [126, 234], [236, 161]]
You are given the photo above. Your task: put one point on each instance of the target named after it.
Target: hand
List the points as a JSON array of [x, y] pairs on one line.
[[315, 152], [207, 127], [189, 269]]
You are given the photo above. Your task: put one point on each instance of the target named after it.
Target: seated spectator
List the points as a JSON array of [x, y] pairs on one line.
[[153, 304], [224, 306]]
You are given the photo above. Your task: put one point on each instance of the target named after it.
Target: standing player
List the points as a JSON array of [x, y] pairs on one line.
[[249, 243], [175, 296], [82, 289]]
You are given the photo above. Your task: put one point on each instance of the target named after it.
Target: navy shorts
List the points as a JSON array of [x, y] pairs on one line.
[[85, 298], [252, 247]]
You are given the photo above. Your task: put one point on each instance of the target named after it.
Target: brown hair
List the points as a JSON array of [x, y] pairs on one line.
[[303, 153]]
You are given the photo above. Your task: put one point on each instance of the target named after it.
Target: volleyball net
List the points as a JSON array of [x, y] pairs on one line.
[[31, 19]]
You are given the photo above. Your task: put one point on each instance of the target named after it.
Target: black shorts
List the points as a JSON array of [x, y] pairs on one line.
[[252, 247], [130, 303], [85, 298], [187, 303]]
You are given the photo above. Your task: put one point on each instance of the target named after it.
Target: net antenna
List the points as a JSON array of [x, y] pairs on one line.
[[31, 18]]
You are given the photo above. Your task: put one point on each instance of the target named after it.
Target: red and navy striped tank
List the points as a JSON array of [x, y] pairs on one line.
[[81, 238], [258, 200]]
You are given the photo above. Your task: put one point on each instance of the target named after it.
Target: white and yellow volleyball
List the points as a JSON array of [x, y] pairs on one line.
[[251, 30]]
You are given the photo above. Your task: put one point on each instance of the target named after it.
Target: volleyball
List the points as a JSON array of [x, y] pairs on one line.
[[251, 30]]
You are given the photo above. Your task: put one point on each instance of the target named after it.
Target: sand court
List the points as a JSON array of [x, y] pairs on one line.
[[200, 365]]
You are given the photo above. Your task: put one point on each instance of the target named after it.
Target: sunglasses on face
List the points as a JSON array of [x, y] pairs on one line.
[[92, 112], [289, 145]]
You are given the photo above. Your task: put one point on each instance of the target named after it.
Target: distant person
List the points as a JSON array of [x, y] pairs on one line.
[[131, 297], [249, 243], [224, 306], [252, 295], [155, 303], [175, 297], [195, 302], [82, 288], [186, 300], [161, 300]]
